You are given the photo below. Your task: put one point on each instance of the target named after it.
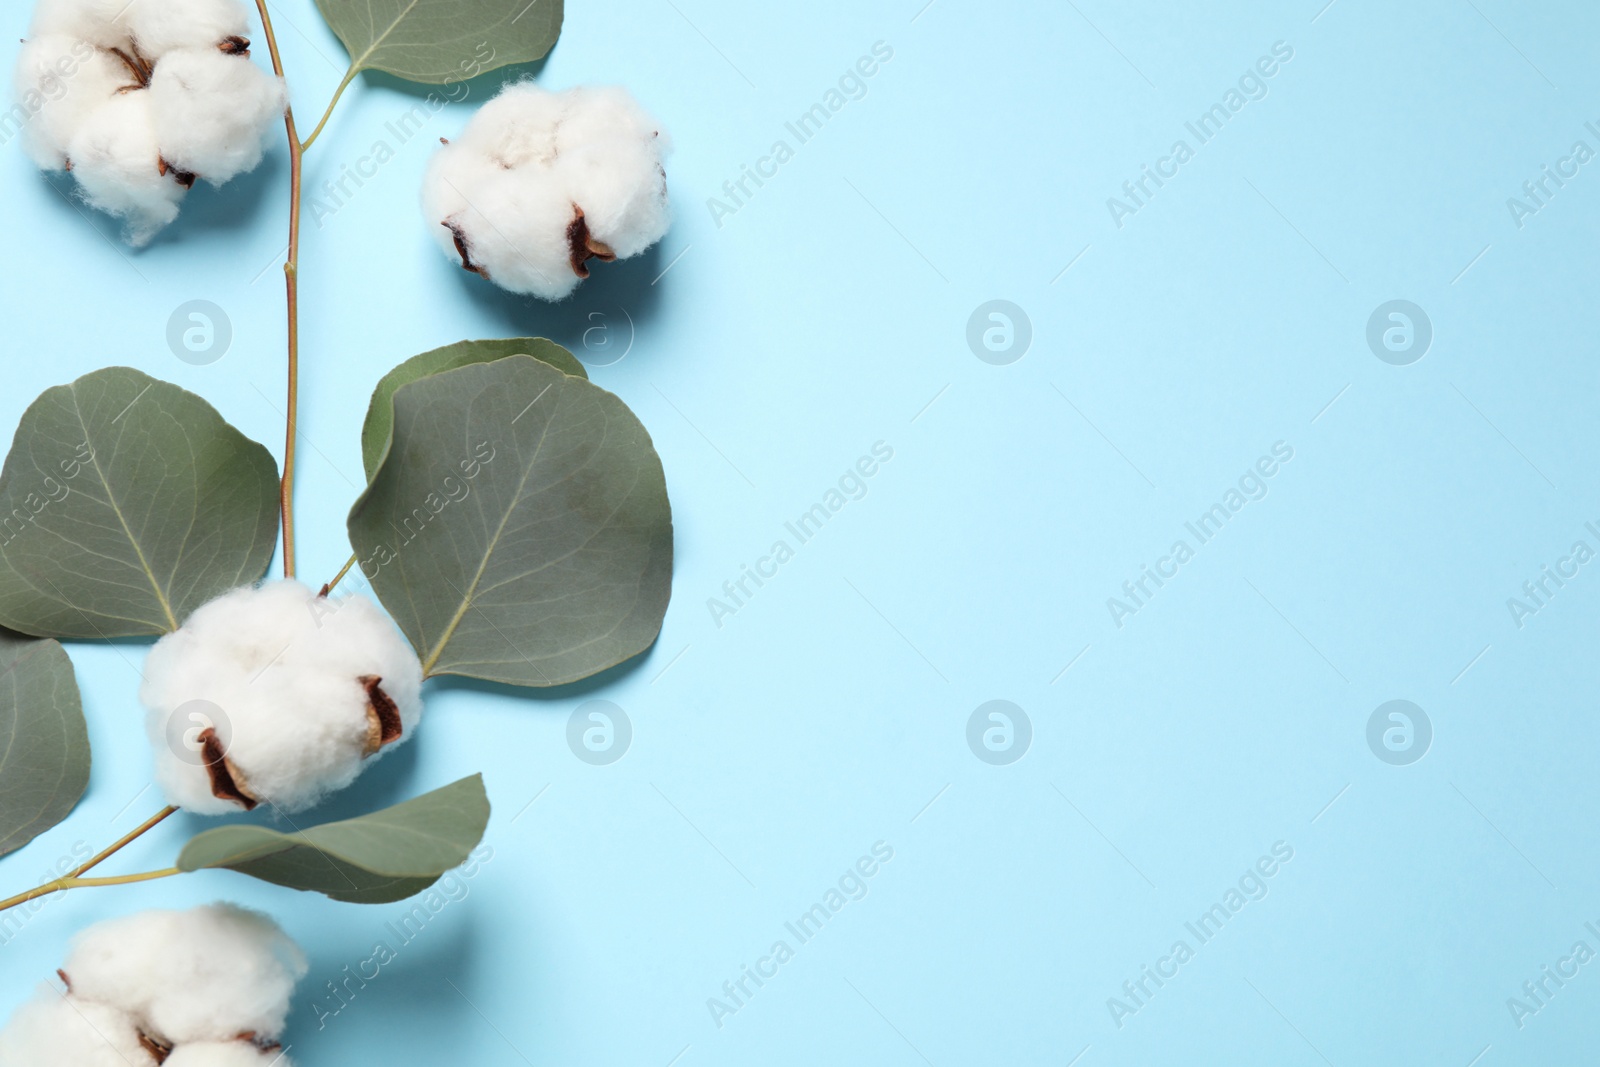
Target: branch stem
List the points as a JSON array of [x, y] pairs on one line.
[[291, 277], [337, 578], [61, 885], [349, 77], [75, 878], [149, 824]]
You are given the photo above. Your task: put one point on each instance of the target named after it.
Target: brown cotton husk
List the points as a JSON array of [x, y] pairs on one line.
[[226, 781], [383, 715], [582, 246], [235, 46], [159, 1051], [461, 247]]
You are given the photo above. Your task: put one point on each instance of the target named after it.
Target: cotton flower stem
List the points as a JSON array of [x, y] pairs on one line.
[[61, 885], [291, 276], [349, 77], [337, 578], [74, 878], [149, 824]]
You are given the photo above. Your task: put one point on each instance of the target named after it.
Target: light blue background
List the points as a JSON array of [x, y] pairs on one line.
[[830, 712]]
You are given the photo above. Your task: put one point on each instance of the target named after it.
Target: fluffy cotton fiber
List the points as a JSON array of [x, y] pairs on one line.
[[302, 689], [209, 974], [139, 99], [226, 1054], [540, 183], [203, 988], [59, 1030]]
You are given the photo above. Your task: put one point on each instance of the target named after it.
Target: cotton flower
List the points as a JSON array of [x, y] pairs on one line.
[[272, 694], [208, 974], [540, 183], [226, 1054], [59, 1030], [203, 988], [140, 99]]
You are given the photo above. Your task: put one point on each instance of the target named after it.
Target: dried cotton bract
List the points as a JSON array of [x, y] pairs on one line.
[[203, 988], [140, 99], [540, 183], [275, 695]]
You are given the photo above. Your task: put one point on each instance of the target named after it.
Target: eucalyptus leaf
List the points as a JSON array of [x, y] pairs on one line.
[[518, 528], [374, 859], [44, 744], [380, 413], [442, 41], [126, 503]]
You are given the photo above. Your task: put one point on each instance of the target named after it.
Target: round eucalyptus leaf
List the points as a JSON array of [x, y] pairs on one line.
[[442, 41], [380, 413], [126, 503], [374, 859], [44, 744], [518, 528]]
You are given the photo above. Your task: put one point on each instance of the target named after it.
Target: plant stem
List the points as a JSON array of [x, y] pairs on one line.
[[148, 825], [291, 272], [74, 878], [61, 885], [349, 77], [337, 578]]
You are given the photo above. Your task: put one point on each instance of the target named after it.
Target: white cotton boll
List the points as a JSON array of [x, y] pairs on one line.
[[100, 22], [302, 690], [59, 81], [517, 128], [116, 161], [609, 152], [540, 183], [226, 1054], [159, 26], [207, 974], [501, 224], [623, 212], [59, 1030], [213, 111]]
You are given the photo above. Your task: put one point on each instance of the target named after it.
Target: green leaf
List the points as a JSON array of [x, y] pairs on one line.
[[380, 413], [442, 41], [44, 744], [125, 504], [375, 859], [518, 528]]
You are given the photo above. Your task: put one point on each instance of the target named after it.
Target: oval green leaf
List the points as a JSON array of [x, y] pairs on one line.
[[125, 504], [518, 528], [380, 413], [44, 744], [374, 859], [442, 41]]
